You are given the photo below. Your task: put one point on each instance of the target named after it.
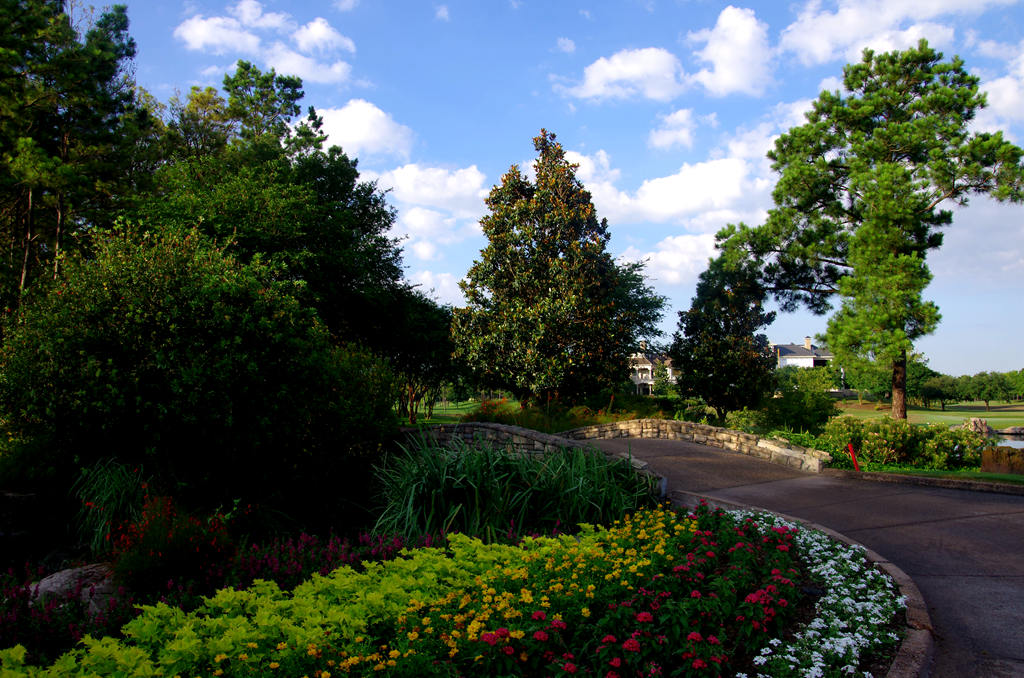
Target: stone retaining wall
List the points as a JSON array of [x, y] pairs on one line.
[[776, 451]]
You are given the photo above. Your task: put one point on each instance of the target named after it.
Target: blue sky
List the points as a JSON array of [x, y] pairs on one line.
[[668, 106]]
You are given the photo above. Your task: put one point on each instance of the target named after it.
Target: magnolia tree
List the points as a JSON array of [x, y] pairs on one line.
[[549, 313]]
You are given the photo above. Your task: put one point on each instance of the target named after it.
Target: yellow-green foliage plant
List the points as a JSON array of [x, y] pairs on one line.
[[690, 595]]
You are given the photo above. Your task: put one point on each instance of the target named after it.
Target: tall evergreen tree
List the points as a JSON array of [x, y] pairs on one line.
[[859, 201], [549, 314], [717, 350], [69, 123]]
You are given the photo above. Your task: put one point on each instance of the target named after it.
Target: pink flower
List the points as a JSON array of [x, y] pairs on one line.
[[489, 638], [569, 667], [616, 662], [540, 635], [645, 617], [609, 639], [713, 640], [695, 594], [509, 650], [631, 645], [539, 615], [699, 663], [695, 637], [557, 624], [502, 632]]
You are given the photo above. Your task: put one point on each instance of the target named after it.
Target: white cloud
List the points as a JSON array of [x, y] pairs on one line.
[[460, 191], [939, 36], [441, 13], [442, 287], [285, 60], [592, 168], [651, 72], [676, 129], [566, 45], [820, 35], [360, 128], [217, 34], [251, 14], [738, 51], [320, 36], [345, 5], [240, 33], [676, 260]]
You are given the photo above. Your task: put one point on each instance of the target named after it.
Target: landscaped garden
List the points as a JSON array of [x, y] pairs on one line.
[[656, 593]]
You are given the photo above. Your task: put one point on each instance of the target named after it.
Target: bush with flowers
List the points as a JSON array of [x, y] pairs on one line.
[[659, 593]]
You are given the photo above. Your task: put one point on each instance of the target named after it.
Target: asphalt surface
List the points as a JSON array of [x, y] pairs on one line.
[[963, 549]]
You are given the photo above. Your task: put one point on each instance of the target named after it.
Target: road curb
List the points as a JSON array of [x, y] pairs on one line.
[[922, 481], [914, 658]]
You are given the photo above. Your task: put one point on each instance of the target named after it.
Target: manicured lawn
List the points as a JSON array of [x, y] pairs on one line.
[[966, 474], [1001, 415], [449, 412]]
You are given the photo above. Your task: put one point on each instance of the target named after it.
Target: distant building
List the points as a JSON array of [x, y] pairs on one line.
[[801, 355], [642, 366]]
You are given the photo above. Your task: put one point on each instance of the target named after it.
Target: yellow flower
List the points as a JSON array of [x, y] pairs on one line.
[[243, 656], [251, 646], [282, 646], [585, 611], [219, 672], [219, 658], [517, 634], [412, 635], [274, 665], [394, 653]]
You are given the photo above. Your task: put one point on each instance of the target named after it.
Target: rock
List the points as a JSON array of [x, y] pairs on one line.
[[978, 425], [1012, 431], [95, 584]]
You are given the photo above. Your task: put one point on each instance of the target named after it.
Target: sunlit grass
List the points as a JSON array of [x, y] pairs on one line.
[[1000, 415]]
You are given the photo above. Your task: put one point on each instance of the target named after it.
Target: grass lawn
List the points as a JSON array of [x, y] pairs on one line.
[[449, 412], [967, 474], [1000, 415]]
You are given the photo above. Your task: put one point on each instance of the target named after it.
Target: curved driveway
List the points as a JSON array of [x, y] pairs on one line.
[[963, 549]]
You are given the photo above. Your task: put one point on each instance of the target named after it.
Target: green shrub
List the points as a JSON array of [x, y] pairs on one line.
[[946, 449], [164, 351], [804, 410], [747, 420], [488, 491]]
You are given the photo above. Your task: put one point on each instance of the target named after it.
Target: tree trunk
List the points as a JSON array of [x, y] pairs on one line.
[[899, 387]]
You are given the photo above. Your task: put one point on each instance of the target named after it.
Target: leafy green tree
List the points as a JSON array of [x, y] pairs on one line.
[[858, 201], [1016, 382], [549, 314], [268, 187], [918, 373], [719, 355], [168, 353], [69, 126], [422, 359], [989, 386], [663, 386], [941, 387]]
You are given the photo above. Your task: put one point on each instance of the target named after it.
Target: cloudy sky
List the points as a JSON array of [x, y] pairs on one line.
[[668, 107]]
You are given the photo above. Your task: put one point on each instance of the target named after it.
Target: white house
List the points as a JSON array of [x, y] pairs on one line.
[[801, 355], [642, 366]]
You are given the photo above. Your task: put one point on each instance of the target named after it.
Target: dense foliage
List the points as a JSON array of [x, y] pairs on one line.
[[717, 352], [549, 314], [857, 204], [895, 441], [168, 353]]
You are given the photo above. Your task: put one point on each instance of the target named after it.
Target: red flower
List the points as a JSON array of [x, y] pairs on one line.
[[539, 615], [569, 667], [509, 650], [609, 639], [695, 637], [557, 624], [645, 617], [699, 664], [695, 594], [631, 645], [616, 662], [502, 632], [489, 638], [540, 635]]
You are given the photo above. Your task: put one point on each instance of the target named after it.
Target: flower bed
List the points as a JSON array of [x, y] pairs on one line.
[[660, 593]]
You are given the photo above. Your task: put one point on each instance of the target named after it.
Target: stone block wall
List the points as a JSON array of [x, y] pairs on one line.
[[776, 451]]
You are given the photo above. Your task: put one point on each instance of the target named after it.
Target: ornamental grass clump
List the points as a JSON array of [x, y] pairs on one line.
[[496, 493]]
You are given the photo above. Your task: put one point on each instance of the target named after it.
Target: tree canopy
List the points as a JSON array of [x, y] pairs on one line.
[[549, 313], [864, 187]]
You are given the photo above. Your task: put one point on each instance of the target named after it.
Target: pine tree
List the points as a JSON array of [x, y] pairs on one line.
[[857, 204]]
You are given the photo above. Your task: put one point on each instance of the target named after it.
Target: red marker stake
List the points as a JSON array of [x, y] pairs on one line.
[[853, 456]]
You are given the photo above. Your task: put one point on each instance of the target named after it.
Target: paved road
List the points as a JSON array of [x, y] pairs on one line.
[[964, 550]]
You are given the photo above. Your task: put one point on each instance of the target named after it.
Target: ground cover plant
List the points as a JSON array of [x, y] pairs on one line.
[[658, 593], [486, 490]]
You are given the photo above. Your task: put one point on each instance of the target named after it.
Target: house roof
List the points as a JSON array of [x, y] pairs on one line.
[[801, 351]]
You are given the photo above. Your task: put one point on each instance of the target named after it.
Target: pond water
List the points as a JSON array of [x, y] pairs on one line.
[[1012, 441]]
